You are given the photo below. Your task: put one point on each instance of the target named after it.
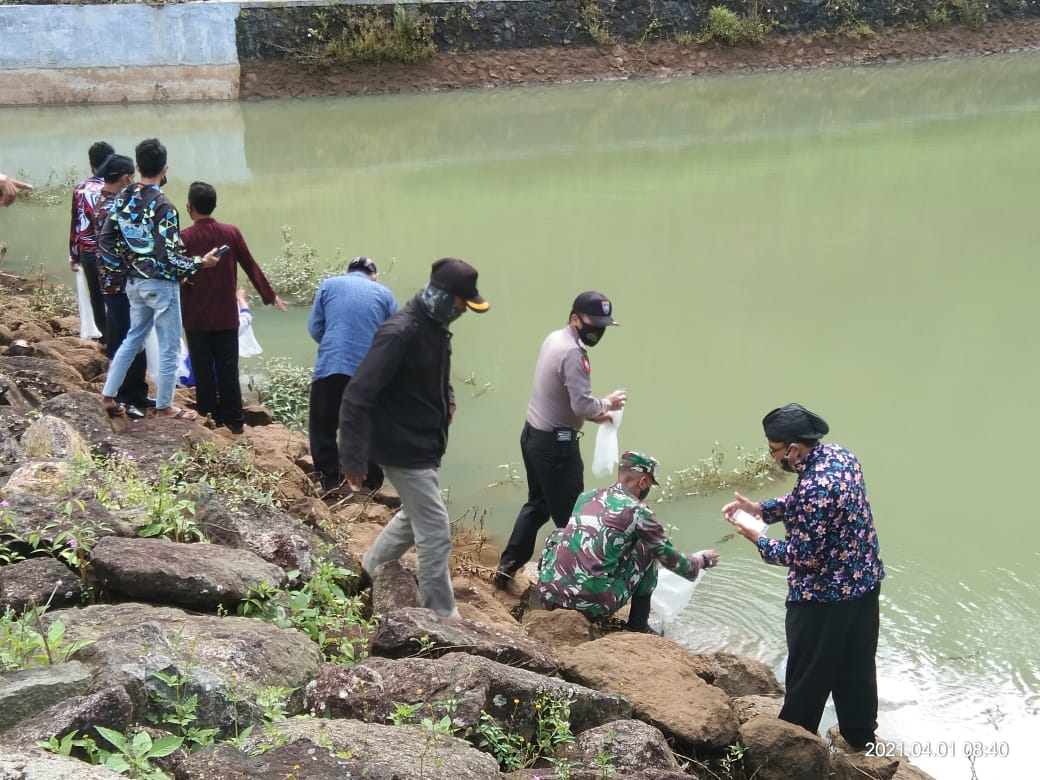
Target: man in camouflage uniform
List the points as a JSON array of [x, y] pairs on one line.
[[606, 553]]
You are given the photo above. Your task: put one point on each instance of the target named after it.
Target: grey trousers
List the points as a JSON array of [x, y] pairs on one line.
[[423, 522]]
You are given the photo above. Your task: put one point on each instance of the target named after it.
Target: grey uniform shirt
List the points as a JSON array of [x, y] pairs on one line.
[[562, 393]]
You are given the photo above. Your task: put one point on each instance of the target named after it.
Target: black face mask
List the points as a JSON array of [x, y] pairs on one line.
[[162, 182], [642, 494], [787, 465], [590, 334]]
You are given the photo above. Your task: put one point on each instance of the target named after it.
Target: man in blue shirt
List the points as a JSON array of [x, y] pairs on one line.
[[347, 311]]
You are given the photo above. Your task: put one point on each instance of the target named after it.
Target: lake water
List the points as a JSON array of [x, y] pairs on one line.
[[862, 241]]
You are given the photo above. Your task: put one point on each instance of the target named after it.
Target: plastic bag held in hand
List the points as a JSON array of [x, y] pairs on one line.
[[605, 457], [87, 328]]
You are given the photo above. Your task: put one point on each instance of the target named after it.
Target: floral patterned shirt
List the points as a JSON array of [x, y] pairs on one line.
[[81, 235], [830, 544]]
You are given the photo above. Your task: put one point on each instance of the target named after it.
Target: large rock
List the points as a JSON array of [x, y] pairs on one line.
[[371, 690], [36, 582], [34, 763], [748, 707], [82, 520], [40, 379], [393, 587], [151, 442], [83, 411], [393, 752], [276, 449], [633, 746], [27, 692], [265, 531], [741, 676], [396, 638], [199, 576], [778, 750], [86, 357], [12, 425], [52, 437], [560, 628], [41, 478], [224, 762], [110, 708], [663, 683], [11, 395], [222, 658]]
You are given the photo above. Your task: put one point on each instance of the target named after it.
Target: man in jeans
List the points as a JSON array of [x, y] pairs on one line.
[[82, 238], [396, 412], [142, 238], [209, 308], [347, 311]]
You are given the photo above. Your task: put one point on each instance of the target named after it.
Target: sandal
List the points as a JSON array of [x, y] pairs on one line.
[[180, 414], [115, 410]]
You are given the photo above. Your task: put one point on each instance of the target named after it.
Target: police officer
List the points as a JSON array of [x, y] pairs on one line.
[[561, 402]]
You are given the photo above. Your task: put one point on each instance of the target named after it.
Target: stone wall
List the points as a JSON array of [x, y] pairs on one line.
[[271, 33]]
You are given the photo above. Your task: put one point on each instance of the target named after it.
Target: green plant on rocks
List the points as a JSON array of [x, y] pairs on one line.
[[26, 643], [284, 388], [348, 36], [593, 20], [512, 750], [299, 269], [725, 27]]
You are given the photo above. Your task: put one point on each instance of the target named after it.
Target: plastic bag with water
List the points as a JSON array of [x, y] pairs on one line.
[[605, 456], [672, 594]]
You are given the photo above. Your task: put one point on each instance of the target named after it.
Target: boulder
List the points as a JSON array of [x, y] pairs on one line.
[[224, 660], [560, 628], [372, 690], [39, 378], [662, 681], [257, 416], [395, 638], [151, 442], [477, 600], [31, 330], [276, 449], [40, 478], [224, 762], [36, 582], [83, 411], [633, 746], [85, 357], [11, 395], [35, 763], [393, 587], [393, 752], [198, 576], [110, 708], [741, 676], [26, 692], [778, 750], [52, 437], [64, 516], [748, 707]]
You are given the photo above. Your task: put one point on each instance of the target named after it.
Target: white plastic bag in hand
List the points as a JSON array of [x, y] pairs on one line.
[[605, 457], [672, 594], [87, 328]]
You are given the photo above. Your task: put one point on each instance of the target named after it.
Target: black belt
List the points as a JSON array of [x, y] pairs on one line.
[[562, 435]]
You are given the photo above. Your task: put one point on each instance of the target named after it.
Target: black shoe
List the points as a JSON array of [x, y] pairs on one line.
[[235, 429], [644, 629], [133, 412], [147, 403], [502, 579], [364, 581]]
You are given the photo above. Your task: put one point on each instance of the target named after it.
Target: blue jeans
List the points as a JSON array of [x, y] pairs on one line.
[[152, 302]]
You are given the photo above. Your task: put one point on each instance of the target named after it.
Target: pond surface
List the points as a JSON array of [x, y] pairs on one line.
[[862, 241]]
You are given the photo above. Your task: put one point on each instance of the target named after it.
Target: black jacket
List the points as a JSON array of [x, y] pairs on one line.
[[395, 409]]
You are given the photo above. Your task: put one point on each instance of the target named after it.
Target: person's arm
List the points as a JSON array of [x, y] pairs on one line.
[[77, 210], [107, 246], [182, 264], [9, 189], [316, 322], [687, 565], [377, 370], [575, 372], [816, 505], [255, 273]]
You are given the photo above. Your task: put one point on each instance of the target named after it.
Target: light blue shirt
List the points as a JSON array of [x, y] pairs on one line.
[[346, 313]]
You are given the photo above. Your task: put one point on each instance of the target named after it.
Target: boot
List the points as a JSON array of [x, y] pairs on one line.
[[639, 616]]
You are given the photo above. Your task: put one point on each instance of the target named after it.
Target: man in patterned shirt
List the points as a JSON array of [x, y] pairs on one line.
[[141, 238], [834, 574], [82, 238], [610, 548]]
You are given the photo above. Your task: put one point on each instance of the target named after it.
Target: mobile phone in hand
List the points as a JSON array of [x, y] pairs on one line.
[[222, 249]]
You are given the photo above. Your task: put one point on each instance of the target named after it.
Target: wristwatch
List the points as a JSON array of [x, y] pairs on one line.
[[707, 560]]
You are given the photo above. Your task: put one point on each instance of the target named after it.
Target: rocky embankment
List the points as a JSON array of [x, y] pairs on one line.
[[252, 655]]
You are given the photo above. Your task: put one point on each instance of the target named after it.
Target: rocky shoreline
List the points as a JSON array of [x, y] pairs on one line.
[[514, 67], [254, 655]]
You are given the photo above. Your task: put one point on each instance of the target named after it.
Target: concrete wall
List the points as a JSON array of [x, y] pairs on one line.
[[114, 53]]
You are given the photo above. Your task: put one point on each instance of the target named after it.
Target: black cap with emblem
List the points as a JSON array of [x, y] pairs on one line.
[[596, 306]]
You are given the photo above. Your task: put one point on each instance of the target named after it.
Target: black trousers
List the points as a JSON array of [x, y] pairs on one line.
[[214, 361], [134, 389], [555, 479], [322, 427], [831, 650], [89, 268]]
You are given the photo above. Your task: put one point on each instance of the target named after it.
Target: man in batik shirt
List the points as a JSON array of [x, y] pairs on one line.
[[610, 548], [830, 547]]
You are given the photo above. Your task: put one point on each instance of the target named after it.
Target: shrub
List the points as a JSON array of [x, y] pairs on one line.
[[284, 388], [725, 28]]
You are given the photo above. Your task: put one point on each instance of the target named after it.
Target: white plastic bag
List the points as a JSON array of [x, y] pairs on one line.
[[248, 346], [672, 594], [605, 456], [87, 328], [151, 354]]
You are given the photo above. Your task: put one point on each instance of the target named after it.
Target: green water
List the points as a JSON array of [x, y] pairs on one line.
[[859, 240]]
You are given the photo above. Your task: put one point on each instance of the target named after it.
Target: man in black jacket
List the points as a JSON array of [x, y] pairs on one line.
[[396, 413]]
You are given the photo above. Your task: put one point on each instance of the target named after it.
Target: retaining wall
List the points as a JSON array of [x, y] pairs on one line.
[[54, 54]]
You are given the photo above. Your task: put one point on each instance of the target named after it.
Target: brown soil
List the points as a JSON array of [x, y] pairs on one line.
[[660, 58]]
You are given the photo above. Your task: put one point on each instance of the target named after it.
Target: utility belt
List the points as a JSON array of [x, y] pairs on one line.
[[556, 435]]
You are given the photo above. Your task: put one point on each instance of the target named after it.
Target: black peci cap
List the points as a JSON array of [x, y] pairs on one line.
[[792, 423]]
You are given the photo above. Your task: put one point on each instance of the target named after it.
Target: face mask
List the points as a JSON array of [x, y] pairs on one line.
[[590, 334], [440, 305], [642, 494], [162, 182]]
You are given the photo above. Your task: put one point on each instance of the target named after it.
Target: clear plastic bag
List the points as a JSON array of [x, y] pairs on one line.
[[672, 594], [605, 456]]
